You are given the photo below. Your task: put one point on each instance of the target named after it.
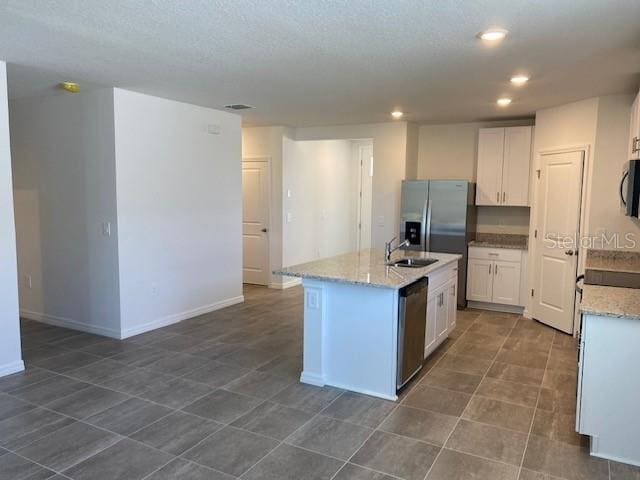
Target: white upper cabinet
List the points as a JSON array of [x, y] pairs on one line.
[[490, 160], [634, 134], [504, 157]]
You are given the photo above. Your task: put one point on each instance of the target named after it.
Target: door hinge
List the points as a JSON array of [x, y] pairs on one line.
[[532, 292], [538, 172]]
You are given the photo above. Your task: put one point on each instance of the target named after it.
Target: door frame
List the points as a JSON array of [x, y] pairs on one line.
[[361, 145], [583, 225], [266, 160]]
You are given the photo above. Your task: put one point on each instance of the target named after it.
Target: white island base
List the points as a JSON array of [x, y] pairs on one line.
[[351, 330]]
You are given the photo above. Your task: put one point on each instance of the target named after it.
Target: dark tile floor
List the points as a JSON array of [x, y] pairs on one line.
[[217, 397]]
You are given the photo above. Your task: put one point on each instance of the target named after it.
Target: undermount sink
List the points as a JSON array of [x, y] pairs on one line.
[[413, 262]]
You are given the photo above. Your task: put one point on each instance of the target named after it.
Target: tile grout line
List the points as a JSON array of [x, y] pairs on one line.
[[472, 395], [398, 404], [281, 442], [535, 410]]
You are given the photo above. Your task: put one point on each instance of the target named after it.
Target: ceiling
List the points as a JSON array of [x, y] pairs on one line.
[[312, 62]]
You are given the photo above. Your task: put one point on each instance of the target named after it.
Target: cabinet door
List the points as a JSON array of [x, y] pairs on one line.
[[490, 159], [506, 283], [442, 310], [515, 171], [479, 280], [634, 132], [430, 330], [452, 305]]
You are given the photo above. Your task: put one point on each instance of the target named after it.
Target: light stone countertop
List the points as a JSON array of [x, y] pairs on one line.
[[610, 301], [613, 261], [368, 267], [500, 240]]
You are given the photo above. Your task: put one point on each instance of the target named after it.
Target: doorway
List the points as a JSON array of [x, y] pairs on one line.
[[365, 156], [556, 238], [256, 181]]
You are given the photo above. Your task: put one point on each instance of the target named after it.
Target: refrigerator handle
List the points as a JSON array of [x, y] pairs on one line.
[[427, 242]]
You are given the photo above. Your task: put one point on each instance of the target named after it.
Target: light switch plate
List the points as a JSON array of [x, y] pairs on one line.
[[313, 300]]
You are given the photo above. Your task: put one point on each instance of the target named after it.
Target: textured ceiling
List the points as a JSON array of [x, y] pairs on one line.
[[313, 62]]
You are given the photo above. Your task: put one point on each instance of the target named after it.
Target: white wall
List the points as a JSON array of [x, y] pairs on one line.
[[179, 210], [323, 178], [10, 352], [64, 180], [449, 151], [390, 167], [610, 159]]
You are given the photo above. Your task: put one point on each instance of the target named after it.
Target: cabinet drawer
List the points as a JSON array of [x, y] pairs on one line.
[[441, 277], [503, 254]]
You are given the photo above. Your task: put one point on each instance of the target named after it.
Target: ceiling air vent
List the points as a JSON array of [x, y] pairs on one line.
[[238, 106]]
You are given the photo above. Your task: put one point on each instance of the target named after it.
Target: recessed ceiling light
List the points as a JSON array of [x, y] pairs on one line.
[[493, 35], [519, 79], [72, 87], [503, 102], [397, 114]]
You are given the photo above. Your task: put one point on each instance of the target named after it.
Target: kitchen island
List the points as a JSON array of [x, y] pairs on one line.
[[351, 305]]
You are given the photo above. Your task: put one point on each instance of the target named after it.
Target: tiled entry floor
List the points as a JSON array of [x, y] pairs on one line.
[[217, 397]]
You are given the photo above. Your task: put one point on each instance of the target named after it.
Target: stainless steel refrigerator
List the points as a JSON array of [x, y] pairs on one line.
[[440, 216]]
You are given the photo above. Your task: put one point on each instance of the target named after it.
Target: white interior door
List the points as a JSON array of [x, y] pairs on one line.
[[255, 222], [557, 223], [365, 194]]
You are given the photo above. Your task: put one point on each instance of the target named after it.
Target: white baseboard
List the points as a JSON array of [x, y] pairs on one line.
[[13, 367], [178, 317], [69, 323], [495, 307], [294, 282], [312, 379]]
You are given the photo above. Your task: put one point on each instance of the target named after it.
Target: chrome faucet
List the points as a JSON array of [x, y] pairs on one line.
[[388, 250]]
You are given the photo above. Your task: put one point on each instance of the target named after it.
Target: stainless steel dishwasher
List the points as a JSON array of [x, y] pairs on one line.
[[412, 319]]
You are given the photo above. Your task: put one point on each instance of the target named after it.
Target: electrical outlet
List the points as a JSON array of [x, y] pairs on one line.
[[289, 217], [154, 290], [27, 282], [381, 221], [106, 229]]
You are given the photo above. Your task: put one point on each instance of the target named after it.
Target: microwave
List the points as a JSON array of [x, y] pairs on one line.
[[631, 195]]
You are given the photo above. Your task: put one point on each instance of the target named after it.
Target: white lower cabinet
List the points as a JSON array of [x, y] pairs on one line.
[[441, 308], [479, 280], [609, 387], [506, 283], [493, 275]]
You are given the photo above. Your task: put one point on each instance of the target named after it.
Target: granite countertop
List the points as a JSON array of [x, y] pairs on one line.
[[613, 261], [611, 301], [368, 267], [500, 240]]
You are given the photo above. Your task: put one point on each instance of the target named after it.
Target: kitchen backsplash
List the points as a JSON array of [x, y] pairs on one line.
[[512, 220]]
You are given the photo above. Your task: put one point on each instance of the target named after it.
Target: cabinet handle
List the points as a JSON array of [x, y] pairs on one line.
[[504, 197], [490, 269], [495, 271], [635, 145], [498, 197]]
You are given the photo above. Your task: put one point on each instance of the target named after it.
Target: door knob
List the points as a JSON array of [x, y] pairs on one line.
[[568, 252], [264, 230]]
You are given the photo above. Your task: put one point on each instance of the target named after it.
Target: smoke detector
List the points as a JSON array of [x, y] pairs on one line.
[[238, 106]]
